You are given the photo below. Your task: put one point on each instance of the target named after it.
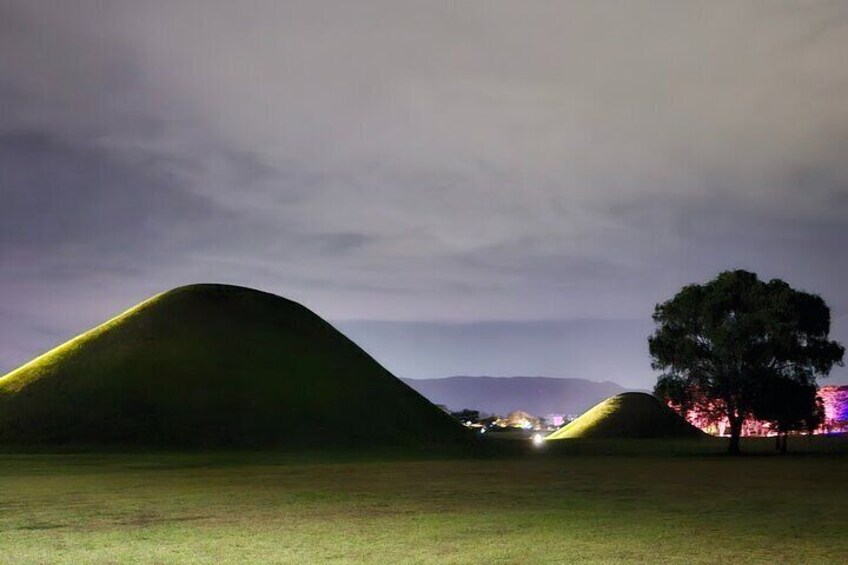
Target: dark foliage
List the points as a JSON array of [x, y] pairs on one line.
[[743, 347]]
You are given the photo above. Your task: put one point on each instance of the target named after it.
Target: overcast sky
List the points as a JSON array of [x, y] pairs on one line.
[[474, 172]]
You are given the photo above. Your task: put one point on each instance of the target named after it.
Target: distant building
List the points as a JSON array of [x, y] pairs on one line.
[[555, 420], [467, 417], [520, 419]]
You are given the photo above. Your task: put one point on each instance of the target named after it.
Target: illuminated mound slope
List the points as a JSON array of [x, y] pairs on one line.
[[214, 365], [628, 415]]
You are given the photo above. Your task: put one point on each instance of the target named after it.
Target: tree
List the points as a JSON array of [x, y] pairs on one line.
[[727, 341], [789, 405], [690, 402]]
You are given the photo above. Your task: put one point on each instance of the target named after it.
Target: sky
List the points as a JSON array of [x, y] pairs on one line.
[[501, 188]]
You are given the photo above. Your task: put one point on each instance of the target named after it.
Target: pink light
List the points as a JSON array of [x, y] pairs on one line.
[[708, 417], [835, 399]]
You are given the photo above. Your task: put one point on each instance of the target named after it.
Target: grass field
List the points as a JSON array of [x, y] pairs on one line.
[[592, 503]]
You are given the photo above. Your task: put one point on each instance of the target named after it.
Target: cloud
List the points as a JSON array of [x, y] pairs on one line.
[[410, 161], [67, 205]]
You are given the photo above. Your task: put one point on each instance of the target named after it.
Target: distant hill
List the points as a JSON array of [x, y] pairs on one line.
[[501, 395], [214, 365], [628, 415]]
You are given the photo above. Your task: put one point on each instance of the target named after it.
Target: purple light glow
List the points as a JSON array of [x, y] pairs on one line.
[[834, 398]]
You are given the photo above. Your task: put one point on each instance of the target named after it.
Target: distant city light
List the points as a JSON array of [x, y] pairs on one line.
[[555, 420]]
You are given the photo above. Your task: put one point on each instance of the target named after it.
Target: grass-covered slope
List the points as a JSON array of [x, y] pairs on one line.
[[628, 415], [214, 365]]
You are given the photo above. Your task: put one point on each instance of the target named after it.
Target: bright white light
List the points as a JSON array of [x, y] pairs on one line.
[[538, 440]]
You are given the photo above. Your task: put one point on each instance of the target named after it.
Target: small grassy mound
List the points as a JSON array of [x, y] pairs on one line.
[[214, 365], [628, 415]]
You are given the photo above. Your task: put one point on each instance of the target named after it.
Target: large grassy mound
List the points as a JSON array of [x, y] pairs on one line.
[[214, 365], [628, 415]]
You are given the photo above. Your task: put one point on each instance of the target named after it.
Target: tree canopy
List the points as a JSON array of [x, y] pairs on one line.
[[731, 345], [788, 405]]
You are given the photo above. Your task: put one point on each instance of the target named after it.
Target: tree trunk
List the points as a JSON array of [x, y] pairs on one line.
[[777, 442], [783, 443], [735, 434]]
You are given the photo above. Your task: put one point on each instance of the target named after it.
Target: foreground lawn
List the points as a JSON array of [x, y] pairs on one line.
[[559, 506]]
